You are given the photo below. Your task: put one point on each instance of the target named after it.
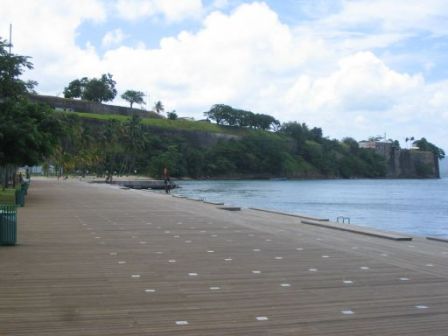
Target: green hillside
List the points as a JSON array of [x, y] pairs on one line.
[[178, 124], [115, 144]]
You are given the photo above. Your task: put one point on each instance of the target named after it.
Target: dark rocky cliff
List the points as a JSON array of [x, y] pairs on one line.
[[408, 163]]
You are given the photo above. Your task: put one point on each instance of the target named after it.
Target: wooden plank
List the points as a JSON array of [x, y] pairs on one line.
[[97, 260]]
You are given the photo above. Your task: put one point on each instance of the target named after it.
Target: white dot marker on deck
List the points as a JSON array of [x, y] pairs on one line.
[[348, 282], [299, 249], [312, 269], [364, 268], [192, 274], [172, 260], [421, 307], [181, 323], [256, 250], [215, 288], [135, 276], [404, 279], [325, 256], [285, 285], [429, 265], [122, 262], [210, 251], [214, 235], [158, 252], [278, 258], [150, 290], [228, 259], [262, 318], [256, 272], [347, 312]]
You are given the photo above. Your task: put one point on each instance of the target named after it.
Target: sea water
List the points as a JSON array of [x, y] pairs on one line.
[[418, 207]]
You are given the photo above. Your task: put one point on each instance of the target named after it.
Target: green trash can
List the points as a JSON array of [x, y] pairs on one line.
[[20, 197], [8, 224], [25, 186]]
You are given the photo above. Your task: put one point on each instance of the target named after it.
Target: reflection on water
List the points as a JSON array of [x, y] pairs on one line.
[[412, 206]]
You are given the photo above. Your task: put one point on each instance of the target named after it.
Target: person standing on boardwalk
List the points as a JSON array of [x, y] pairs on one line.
[[166, 178]]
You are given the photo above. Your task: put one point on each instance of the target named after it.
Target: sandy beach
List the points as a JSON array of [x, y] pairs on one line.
[[100, 260]]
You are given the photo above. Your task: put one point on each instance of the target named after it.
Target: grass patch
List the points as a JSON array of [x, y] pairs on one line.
[[8, 196], [179, 124]]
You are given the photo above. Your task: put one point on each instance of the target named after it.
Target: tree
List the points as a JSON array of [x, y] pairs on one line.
[[219, 113], [159, 107], [172, 115], [11, 67], [227, 115], [28, 131], [132, 97], [425, 145], [96, 90], [75, 88]]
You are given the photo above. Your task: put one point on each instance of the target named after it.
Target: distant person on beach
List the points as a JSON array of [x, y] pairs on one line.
[[166, 178]]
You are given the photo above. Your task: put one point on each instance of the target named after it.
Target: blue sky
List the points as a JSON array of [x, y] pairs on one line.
[[356, 68]]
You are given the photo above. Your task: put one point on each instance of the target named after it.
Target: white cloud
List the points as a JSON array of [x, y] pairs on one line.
[[46, 31], [114, 37], [392, 16], [248, 59], [173, 11]]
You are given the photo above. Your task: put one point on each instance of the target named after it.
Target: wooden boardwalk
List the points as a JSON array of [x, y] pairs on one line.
[[98, 260]]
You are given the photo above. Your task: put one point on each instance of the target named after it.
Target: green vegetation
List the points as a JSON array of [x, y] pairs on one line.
[[172, 124], [227, 115], [96, 90], [241, 144], [108, 145], [132, 97], [28, 132], [8, 196], [158, 107], [424, 145]]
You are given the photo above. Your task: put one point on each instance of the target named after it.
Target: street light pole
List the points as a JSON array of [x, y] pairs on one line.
[[10, 38]]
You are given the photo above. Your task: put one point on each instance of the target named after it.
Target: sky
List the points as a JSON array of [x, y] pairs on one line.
[[355, 68]]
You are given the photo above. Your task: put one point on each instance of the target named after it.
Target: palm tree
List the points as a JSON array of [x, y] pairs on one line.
[[159, 107]]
